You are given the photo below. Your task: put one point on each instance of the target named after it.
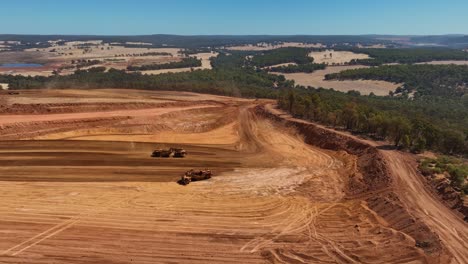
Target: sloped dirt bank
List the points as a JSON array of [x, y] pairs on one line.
[[449, 195], [371, 182]]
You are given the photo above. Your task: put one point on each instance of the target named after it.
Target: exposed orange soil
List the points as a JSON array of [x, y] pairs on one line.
[[89, 192], [408, 184]]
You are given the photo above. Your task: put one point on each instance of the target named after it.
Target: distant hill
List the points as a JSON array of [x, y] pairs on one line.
[[455, 41], [196, 41]]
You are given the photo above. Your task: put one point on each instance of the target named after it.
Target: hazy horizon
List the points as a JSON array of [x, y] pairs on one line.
[[209, 17]]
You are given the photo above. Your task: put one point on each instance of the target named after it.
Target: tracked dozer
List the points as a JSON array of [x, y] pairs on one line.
[[195, 175]]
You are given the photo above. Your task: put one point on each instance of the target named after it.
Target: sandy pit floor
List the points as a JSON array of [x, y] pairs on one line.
[[81, 187], [317, 79]]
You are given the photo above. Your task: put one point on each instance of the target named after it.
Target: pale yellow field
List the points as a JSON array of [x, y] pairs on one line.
[[337, 57], [280, 65], [445, 62], [268, 46], [316, 79], [112, 56], [206, 64], [71, 50]]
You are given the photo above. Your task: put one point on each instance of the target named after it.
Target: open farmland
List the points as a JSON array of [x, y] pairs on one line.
[[79, 183], [332, 57], [448, 62], [65, 58], [96, 49], [317, 79], [269, 46], [205, 64]]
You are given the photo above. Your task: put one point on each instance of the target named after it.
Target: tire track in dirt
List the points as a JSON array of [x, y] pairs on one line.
[[283, 201], [25, 245], [452, 230]]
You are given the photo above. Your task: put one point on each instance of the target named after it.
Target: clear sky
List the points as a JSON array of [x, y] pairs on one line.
[[192, 17]]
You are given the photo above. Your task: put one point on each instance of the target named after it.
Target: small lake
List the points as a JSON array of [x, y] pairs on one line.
[[20, 65]]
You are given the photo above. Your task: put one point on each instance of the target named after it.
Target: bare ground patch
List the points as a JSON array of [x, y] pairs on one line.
[[317, 79]]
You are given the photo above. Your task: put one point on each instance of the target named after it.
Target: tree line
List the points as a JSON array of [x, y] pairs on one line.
[[376, 117]]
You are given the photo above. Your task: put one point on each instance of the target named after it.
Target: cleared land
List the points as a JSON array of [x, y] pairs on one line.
[[336, 57], [96, 49], [317, 79], [91, 193], [269, 46], [205, 60], [59, 57], [445, 62]]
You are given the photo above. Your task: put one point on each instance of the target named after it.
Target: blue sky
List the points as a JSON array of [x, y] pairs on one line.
[[192, 17]]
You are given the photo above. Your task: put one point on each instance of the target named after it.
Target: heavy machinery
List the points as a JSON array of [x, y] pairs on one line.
[[179, 152], [171, 152], [195, 175]]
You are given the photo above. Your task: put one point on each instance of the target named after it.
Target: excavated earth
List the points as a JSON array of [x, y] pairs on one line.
[[79, 186]]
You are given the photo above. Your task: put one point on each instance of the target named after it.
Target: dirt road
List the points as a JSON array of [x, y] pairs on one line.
[[90, 192], [452, 230]]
